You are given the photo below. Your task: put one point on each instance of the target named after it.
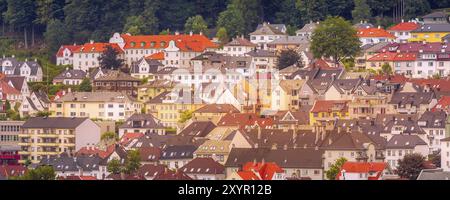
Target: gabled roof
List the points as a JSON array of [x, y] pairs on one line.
[[71, 74], [394, 57], [217, 108], [194, 42], [443, 104], [178, 152], [404, 26], [97, 48], [267, 29], [115, 75], [445, 27], [330, 106], [172, 175], [156, 56], [374, 33], [376, 168], [412, 98], [151, 170], [290, 158], [404, 142], [262, 170], [150, 154], [16, 81], [203, 166], [153, 65], [142, 121], [12, 170], [53, 122], [198, 129], [240, 41], [71, 48]]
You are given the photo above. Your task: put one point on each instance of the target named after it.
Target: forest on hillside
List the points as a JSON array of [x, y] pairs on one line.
[[49, 23]]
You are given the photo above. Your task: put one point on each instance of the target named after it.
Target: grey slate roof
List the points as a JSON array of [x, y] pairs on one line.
[[433, 174], [404, 142], [267, 29], [290, 40], [53, 122], [433, 119], [290, 158], [71, 74], [433, 28], [34, 66], [261, 53], [198, 129], [66, 163], [16, 81], [142, 121], [412, 98], [178, 152]]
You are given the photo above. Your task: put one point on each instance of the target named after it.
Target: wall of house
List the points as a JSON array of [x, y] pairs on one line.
[[445, 156], [87, 133]]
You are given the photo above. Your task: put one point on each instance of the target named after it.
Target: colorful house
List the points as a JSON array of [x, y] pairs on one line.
[[324, 112]]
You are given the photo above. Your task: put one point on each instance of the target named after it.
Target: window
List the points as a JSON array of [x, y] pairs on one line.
[[72, 105], [110, 114], [110, 106], [101, 105]]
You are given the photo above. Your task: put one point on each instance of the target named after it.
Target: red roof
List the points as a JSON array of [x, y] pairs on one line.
[[435, 84], [263, 171], [128, 137], [71, 48], [97, 48], [404, 26], [330, 106], [395, 57], [7, 89], [443, 103], [12, 170], [364, 167], [96, 151], [374, 33], [195, 42], [248, 175], [156, 56], [244, 119]]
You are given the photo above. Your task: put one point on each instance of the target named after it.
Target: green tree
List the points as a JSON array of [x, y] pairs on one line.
[[134, 25], [185, 116], [327, 40], [196, 24], [410, 166], [232, 20], [386, 69], [361, 12], [415, 8], [47, 10], [109, 136], [288, 14], [114, 166], [40, 173], [21, 14], [151, 21], [312, 10], [133, 161], [288, 58], [109, 59], [291, 30], [335, 169], [251, 11], [435, 158], [43, 114], [3, 9], [222, 35], [165, 32], [56, 35], [85, 85]]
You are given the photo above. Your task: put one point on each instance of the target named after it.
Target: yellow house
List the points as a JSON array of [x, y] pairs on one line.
[[47, 136], [286, 95], [152, 89], [324, 112], [254, 95], [169, 107], [116, 106], [430, 33]]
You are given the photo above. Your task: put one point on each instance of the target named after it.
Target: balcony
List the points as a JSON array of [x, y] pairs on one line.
[[24, 144], [47, 144], [48, 153], [24, 152]]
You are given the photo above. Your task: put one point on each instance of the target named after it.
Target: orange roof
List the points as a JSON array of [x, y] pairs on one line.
[[96, 151], [404, 26], [390, 56], [330, 106], [265, 170], [8, 89], [97, 48], [195, 42], [156, 56], [443, 103], [363, 167], [127, 137], [248, 176], [374, 33], [244, 119], [71, 48], [441, 85]]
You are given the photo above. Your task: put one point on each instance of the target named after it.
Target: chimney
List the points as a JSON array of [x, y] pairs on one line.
[[285, 147], [4, 56], [259, 132], [35, 59], [91, 41], [201, 33], [26, 59], [177, 33], [263, 161], [191, 33], [403, 20], [13, 56], [339, 129]]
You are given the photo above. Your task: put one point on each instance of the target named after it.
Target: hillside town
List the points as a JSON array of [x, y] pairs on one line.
[[183, 106]]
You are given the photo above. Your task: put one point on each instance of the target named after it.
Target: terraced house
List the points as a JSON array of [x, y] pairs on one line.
[[115, 106], [47, 136]]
